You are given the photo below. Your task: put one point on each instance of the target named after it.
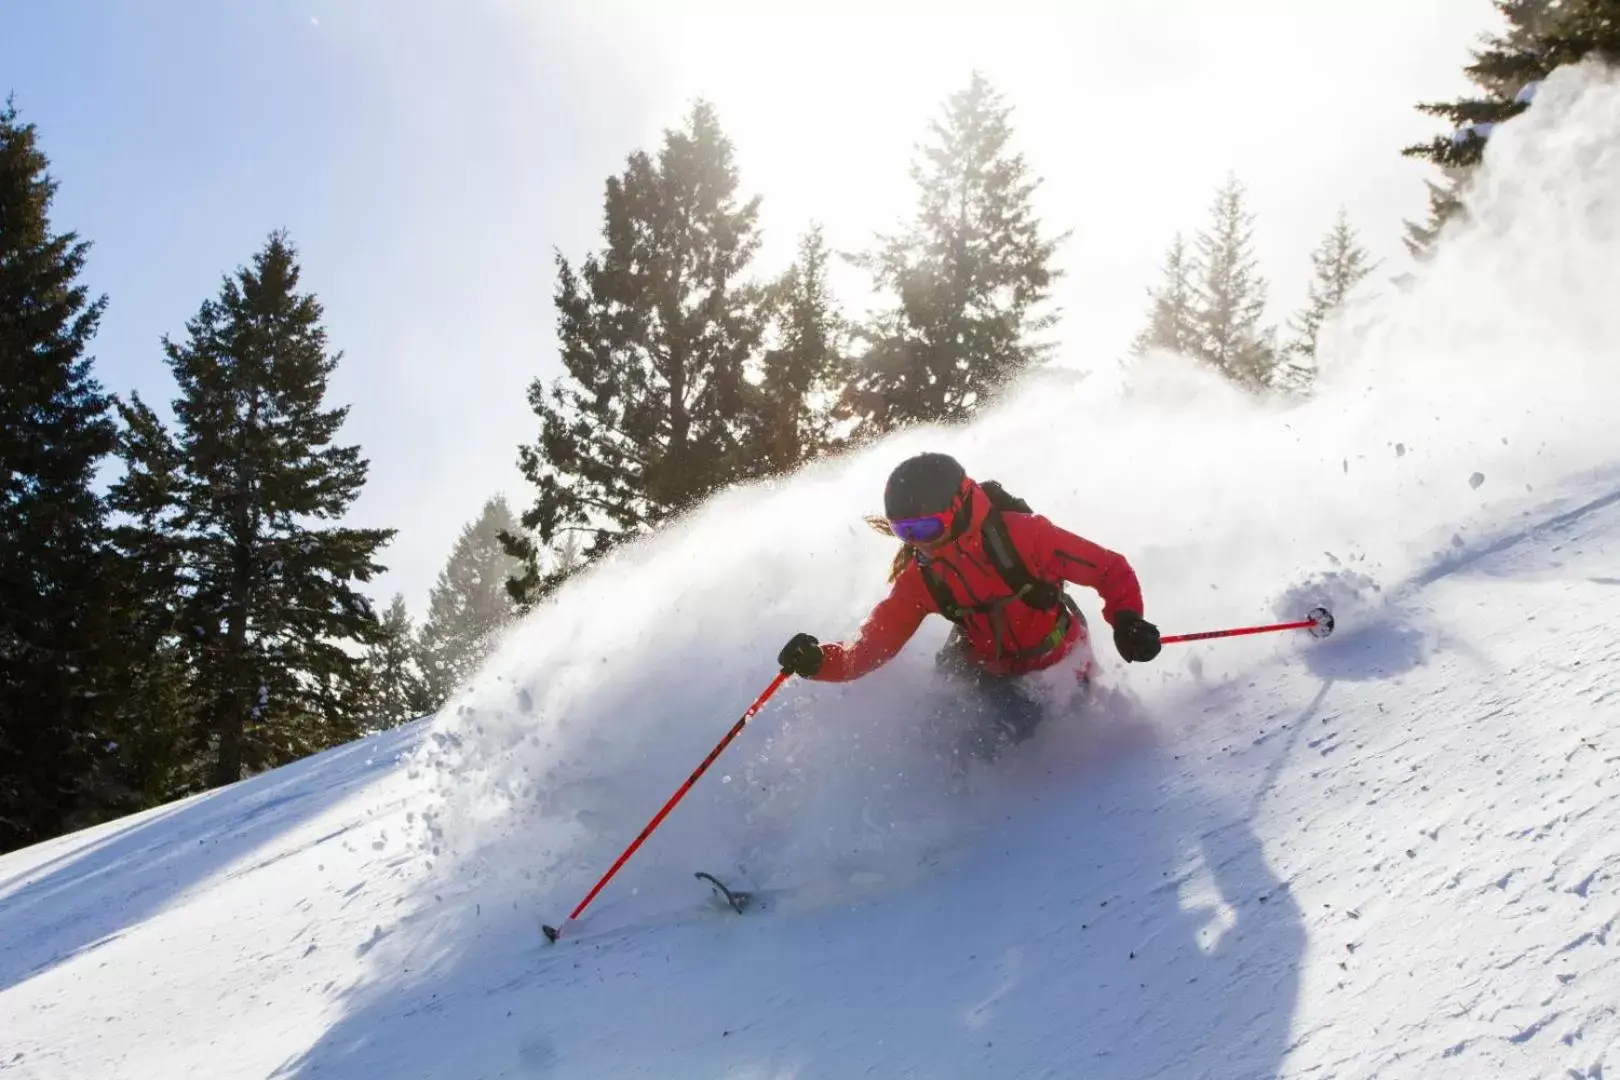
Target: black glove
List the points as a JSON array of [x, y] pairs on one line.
[[1136, 639], [801, 656]]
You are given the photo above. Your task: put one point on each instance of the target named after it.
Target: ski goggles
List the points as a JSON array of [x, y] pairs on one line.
[[929, 528], [922, 530]]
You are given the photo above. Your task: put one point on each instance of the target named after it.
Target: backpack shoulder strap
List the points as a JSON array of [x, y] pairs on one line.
[[1010, 564], [1002, 499], [998, 544], [943, 600]]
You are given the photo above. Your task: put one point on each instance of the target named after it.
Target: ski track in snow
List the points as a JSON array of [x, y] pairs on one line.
[[1392, 853]]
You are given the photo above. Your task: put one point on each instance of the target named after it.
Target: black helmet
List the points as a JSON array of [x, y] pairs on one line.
[[920, 485]]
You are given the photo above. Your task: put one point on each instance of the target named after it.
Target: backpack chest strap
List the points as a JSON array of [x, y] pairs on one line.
[[958, 613]]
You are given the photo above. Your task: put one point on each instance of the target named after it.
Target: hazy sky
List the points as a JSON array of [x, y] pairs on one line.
[[427, 158]]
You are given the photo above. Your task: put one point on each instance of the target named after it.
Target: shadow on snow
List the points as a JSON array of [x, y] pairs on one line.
[[93, 891], [1117, 921]]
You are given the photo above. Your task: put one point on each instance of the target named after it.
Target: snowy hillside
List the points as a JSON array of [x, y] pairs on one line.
[[1392, 853]]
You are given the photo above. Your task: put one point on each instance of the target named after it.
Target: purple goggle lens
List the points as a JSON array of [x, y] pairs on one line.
[[919, 530]]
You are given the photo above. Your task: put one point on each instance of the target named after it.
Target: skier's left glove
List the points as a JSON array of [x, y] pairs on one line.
[[1136, 639], [801, 656]]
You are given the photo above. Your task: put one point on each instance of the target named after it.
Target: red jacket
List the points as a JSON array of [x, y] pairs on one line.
[[1050, 553]]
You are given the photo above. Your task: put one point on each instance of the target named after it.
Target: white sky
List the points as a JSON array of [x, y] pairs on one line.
[[1132, 115]]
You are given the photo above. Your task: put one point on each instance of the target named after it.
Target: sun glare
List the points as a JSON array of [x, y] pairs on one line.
[[1130, 118]]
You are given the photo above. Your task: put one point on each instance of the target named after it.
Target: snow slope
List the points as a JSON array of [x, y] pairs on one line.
[[1393, 853]]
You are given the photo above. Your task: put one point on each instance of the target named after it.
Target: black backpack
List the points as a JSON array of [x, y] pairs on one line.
[[1005, 560]]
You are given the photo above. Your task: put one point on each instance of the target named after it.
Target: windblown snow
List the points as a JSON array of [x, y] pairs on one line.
[[1392, 853]]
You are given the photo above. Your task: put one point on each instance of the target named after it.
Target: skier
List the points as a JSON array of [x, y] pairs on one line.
[[981, 559]]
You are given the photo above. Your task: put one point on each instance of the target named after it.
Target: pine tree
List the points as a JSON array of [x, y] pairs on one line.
[[1231, 294], [469, 605], [806, 369], [266, 606], [1338, 265], [1580, 30], [540, 571], [657, 331], [55, 430], [1445, 203], [398, 685], [1540, 36], [566, 556], [1500, 68], [968, 277], [1172, 319], [1473, 118], [157, 715]]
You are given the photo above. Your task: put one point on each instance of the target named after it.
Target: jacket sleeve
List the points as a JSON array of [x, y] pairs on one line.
[[1052, 552], [883, 634]]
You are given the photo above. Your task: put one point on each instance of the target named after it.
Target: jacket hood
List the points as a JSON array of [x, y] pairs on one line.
[[975, 510]]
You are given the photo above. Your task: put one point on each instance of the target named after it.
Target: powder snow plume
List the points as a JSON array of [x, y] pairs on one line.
[[1476, 392]]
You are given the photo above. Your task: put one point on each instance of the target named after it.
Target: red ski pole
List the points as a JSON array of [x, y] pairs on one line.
[[742, 722], [1319, 623]]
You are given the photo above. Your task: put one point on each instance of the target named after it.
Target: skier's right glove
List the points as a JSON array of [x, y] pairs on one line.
[[801, 656], [1136, 639]]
